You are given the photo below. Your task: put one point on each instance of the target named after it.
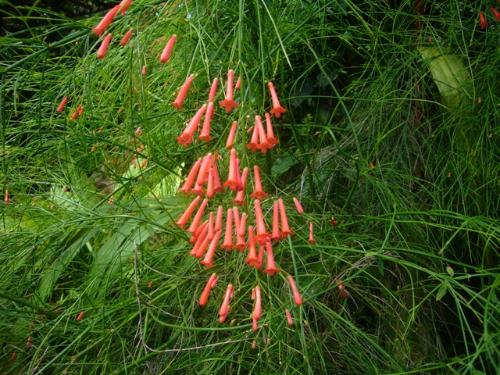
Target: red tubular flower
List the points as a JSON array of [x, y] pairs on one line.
[[186, 136], [289, 318], [181, 96], [228, 238], [262, 234], [298, 205], [211, 224], [210, 184], [106, 21], [6, 196], [208, 261], [201, 231], [260, 257], [483, 21], [218, 219], [212, 281], [252, 145], [62, 104], [232, 135], [103, 49], [205, 131], [271, 138], [202, 248], [277, 109], [213, 90], [224, 309], [495, 13], [263, 146], [188, 184], [237, 85], [312, 241], [124, 5], [189, 211], [251, 259], [206, 163], [285, 229], [271, 268], [295, 291], [236, 219], [80, 316], [257, 310], [217, 184], [167, 51], [238, 175], [126, 38], [232, 180], [200, 236], [198, 216], [275, 236], [240, 234], [240, 195], [258, 192], [228, 103]]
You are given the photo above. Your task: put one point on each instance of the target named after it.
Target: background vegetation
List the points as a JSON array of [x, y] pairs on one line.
[[390, 140]]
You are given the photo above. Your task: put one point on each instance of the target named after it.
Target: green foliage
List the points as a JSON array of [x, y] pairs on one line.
[[401, 150]]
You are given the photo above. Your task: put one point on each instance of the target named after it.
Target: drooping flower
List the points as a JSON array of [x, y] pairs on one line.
[[240, 234], [188, 184], [311, 240], [285, 229], [217, 184], [271, 268], [236, 219], [275, 235], [240, 195], [205, 131], [62, 104], [228, 238], [251, 259], [124, 5], [103, 49], [260, 257], [212, 281], [202, 248], [76, 113], [232, 181], [258, 191], [483, 21], [211, 226], [228, 103], [237, 85], [186, 136], [106, 21], [225, 307], [218, 218], [202, 230], [188, 212], [80, 316], [208, 261], [181, 96], [271, 138], [277, 109], [257, 310], [298, 205], [210, 184], [263, 145], [289, 318], [126, 38], [167, 51], [198, 216], [262, 234], [495, 13], [232, 135], [200, 237], [254, 140], [213, 91], [297, 298]]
